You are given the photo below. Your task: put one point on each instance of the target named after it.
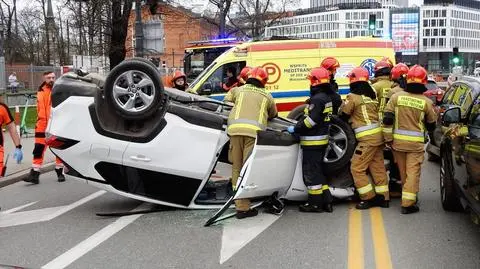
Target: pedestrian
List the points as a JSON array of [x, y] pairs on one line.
[[383, 84], [179, 80], [313, 130], [13, 82], [253, 107], [44, 104], [361, 109], [409, 113], [7, 119]]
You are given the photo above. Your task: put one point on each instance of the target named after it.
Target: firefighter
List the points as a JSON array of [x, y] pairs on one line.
[[253, 107], [399, 77], [331, 64], [179, 80], [361, 109], [383, 84], [313, 130], [243, 76], [409, 113], [44, 103]]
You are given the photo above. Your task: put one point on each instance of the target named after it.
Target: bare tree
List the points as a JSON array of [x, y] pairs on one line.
[[253, 16], [7, 17], [223, 10], [119, 29], [29, 28]]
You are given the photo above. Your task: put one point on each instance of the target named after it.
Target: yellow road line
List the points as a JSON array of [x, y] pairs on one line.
[[355, 240], [380, 241]]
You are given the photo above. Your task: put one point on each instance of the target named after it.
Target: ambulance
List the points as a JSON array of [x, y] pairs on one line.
[[288, 62]]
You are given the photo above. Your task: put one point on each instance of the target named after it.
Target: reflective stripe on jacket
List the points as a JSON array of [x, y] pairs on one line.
[[314, 126], [363, 112], [382, 87], [253, 107], [411, 111]]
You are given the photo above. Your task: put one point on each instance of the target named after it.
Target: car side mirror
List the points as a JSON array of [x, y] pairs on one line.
[[452, 115], [206, 89]]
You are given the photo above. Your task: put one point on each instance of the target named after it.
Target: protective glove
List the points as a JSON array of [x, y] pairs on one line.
[[18, 155], [291, 129]]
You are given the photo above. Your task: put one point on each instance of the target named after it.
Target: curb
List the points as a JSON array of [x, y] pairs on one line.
[[20, 175]]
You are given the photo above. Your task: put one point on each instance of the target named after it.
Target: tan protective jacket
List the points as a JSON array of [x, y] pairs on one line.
[[382, 87], [393, 91], [363, 113], [411, 112], [253, 107]]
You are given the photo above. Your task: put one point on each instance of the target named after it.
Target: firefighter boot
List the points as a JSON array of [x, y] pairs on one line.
[[252, 212], [33, 177], [60, 176], [410, 209], [366, 204], [381, 202], [314, 204]]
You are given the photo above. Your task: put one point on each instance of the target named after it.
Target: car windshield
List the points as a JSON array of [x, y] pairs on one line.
[[199, 77], [431, 85]]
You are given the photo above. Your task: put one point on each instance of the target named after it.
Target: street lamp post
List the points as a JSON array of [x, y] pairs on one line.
[[3, 88], [138, 29]]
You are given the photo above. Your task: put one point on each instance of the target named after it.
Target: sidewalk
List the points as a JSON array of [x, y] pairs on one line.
[[16, 172]]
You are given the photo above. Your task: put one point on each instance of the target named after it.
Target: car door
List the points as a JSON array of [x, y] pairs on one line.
[[173, 166], [270, 167], [472, 149]]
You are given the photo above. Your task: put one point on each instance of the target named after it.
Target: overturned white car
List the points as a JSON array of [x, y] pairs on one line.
[[127, 134]]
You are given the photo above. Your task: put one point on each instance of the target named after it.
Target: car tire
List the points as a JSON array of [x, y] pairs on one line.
[[131, 99], [448, 195], [345, 141]]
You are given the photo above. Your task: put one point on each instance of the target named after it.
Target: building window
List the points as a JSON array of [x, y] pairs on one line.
[[425, 23], [441, 42], [444, 32], [424, 42], [428, 32], [432, 42], [434, 23], [435, 32], [441, 23], [444, 13]]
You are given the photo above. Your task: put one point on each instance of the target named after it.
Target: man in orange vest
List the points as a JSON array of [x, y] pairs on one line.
[[44, 104]]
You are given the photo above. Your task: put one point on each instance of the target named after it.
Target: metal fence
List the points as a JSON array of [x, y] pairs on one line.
[[29, 77]]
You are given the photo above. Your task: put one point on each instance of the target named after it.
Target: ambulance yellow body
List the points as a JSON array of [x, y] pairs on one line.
[[288, 63]]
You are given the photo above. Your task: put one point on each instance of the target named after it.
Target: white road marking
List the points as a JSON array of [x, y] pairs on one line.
[[44, 214], [93, 241], [238, 233], [17, 208]]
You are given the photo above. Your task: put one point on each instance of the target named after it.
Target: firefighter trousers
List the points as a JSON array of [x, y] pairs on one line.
[[240, 148], [39, 152], [410, 166], [370, 158], [314, 177]]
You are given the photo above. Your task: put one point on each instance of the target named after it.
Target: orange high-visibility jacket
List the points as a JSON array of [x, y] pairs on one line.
[[44, 103]]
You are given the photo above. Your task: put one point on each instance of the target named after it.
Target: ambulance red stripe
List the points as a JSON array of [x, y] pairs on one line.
[[281, 107], [316, 45]]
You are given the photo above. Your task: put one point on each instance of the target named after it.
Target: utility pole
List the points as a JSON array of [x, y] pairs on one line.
[[138, 29], [3, 87]]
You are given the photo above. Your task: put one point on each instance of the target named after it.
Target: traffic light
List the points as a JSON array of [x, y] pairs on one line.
[[456, 57], [372, 18]]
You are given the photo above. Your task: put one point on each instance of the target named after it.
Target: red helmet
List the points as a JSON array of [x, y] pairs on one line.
[[243, 76], [178, 74], [399, 70], [417, 74], [318, 76], [330, 63], [259, 74], [383, 64], [358, 74]]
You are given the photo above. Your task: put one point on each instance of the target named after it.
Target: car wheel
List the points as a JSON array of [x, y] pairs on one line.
[[134, 89], [341, 144], [450, 201]]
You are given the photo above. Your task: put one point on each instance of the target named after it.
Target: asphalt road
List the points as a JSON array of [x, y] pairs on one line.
[[59, 229]]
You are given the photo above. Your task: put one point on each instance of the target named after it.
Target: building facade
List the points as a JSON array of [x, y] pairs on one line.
[[167, 33], [425, 35], [334, 3]]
